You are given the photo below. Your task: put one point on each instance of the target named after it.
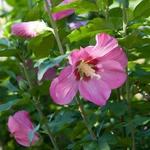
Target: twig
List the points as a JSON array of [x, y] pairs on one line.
[[54, 26], [85, 119]]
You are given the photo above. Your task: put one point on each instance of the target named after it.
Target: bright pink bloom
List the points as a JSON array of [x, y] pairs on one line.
[[28, 29], [93, 70], [64, 13], [20, 126]]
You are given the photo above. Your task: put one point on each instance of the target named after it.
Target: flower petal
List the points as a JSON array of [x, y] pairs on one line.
[[112, 73], [77, 55], [12, 125], [20, 126], [62, 14], [64, 87], [104, 44], [95, 91], [28, 29], [118, 55], [23, 137], [74, 57], [23, 116]]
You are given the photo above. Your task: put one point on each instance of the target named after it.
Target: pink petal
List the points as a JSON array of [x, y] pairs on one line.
[[116, 54], [62, 14], [12, 125], [20, 126], [78, 55], [74, 57], [23, 118], [49, 74], [64, 87], [23, 137], [112, 73], [95, 91], [28, 29], [24, 142], [104, 44]]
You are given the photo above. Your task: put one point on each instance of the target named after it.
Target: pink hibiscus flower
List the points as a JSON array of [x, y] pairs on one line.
[[20, 126], [29, 29], [93, 71], [64, 13]]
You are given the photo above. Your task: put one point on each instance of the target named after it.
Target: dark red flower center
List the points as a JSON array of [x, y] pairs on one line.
[[86, 69]]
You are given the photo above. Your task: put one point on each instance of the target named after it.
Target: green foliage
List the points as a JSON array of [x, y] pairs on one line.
[[142, 9], [42, 44], [114, 124], [8, 105], [46, 64]]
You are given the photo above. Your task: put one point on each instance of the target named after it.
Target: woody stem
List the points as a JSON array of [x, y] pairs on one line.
[[84, 117], [54, 26], [125, 21], [37, 105]]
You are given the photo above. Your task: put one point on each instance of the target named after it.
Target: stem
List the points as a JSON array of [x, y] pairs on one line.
[[37, 105], [30, 3], [125, 21], [93, 136], [106, 9], [54, 26]]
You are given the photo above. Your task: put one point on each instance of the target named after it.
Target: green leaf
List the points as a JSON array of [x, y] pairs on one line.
[[42, 44], [95, 26], [142, 9], [4, 43], [8, 84], [80, 6], [8, 52], [17, 3], [8, 105], [140, 120], [48, 63], [91, 146], [118, 108], [62, 120], [103, 145], [137, 40], [115, 12]]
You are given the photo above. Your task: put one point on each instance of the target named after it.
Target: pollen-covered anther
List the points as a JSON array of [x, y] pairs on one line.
[[86, 69]]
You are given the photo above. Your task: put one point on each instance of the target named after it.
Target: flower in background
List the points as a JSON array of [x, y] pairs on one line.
[[93, 70], [29, 29], [63, 13], [20, 126], [77, 24], [49, 74]]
